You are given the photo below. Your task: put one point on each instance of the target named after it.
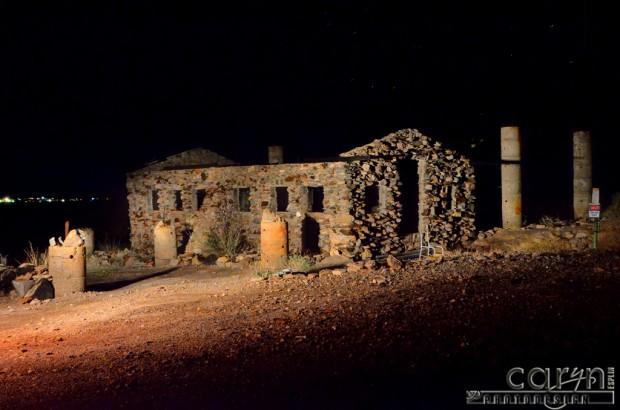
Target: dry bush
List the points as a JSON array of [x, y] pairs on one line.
[[552, 221], [299, 263], [110, 245], [225, 237], [294, 263], [613, 210], [257, 269], [34, 256]]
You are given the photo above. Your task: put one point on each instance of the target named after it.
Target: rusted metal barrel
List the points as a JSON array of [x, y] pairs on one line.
[[273, 240], [67, 266], [165, 241]]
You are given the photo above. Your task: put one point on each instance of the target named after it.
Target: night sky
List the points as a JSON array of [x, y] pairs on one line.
[[89, 92]]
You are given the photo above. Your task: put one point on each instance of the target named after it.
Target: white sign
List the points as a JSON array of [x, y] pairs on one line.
[[595, 196]]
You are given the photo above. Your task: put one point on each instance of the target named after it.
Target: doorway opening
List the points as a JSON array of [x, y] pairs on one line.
[[409, 196], [186, 234], [310, 236]]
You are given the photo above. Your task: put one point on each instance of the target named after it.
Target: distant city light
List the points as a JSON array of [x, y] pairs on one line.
[[44, 199]]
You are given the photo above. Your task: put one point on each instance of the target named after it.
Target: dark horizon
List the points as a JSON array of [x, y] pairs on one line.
[[93, 92]]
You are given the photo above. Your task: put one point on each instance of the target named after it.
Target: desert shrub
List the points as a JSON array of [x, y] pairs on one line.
[[298, 263], [294, 263], [225, 237], [258, 270], [613, 210], [34, 256], [110, 244]]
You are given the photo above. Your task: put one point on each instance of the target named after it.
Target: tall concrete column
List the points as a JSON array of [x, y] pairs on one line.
[[511, 177], [582, 173]]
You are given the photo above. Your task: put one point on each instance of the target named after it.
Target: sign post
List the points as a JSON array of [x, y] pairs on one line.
[[594, 212]]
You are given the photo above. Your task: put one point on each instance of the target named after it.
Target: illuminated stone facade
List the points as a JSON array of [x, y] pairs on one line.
[[350, 206]]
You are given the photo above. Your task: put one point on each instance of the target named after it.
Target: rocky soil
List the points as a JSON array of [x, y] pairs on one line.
[[206, 337]]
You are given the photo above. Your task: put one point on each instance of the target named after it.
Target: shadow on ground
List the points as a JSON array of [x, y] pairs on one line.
[[114, 282]]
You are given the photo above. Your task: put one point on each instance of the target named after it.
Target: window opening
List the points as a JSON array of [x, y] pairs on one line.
[[242, 199], [153, 201], [371, 202], [198, 199], [315, 198], [178, 201], [281, 198]]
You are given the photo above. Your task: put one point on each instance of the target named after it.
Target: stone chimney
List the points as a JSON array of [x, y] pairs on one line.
[[276, 154]]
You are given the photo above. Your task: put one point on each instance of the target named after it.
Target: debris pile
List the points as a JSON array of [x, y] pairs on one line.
[[561, 236], [115, 258], [28, 281]]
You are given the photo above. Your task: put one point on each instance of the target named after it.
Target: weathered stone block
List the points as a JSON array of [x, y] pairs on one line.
[[41, 290], [22, 287]]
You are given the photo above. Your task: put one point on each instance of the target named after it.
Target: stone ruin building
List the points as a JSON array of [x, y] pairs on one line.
[[359, 205]]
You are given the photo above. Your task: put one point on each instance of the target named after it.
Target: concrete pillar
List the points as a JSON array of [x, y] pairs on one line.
[[88, 234], [273, 240], [276, 154], [511, 177], [582, 173], [165, 241]]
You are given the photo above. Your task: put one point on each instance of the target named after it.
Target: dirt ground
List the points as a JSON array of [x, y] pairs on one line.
[[203, 337]]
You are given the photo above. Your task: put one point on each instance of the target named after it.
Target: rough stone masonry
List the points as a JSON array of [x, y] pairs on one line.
[[349, 206]]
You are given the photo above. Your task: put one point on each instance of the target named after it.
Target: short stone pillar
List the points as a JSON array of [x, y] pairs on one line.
[[67, 266], [89, 239], [273, 240], [165, 241]]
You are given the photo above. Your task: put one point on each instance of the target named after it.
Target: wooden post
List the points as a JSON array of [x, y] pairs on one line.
[[66, 229], [511, 177]]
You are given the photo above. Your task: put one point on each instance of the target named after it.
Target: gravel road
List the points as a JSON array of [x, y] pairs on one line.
[[202, 337]]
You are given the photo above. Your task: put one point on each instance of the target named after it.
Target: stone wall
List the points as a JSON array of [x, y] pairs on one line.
[[361, 210], [446, 200], [221, 189]]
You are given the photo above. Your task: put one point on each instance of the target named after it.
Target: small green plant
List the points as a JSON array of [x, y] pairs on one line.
[[34, 256], [225, 237], [298, 263], [258, 270]]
